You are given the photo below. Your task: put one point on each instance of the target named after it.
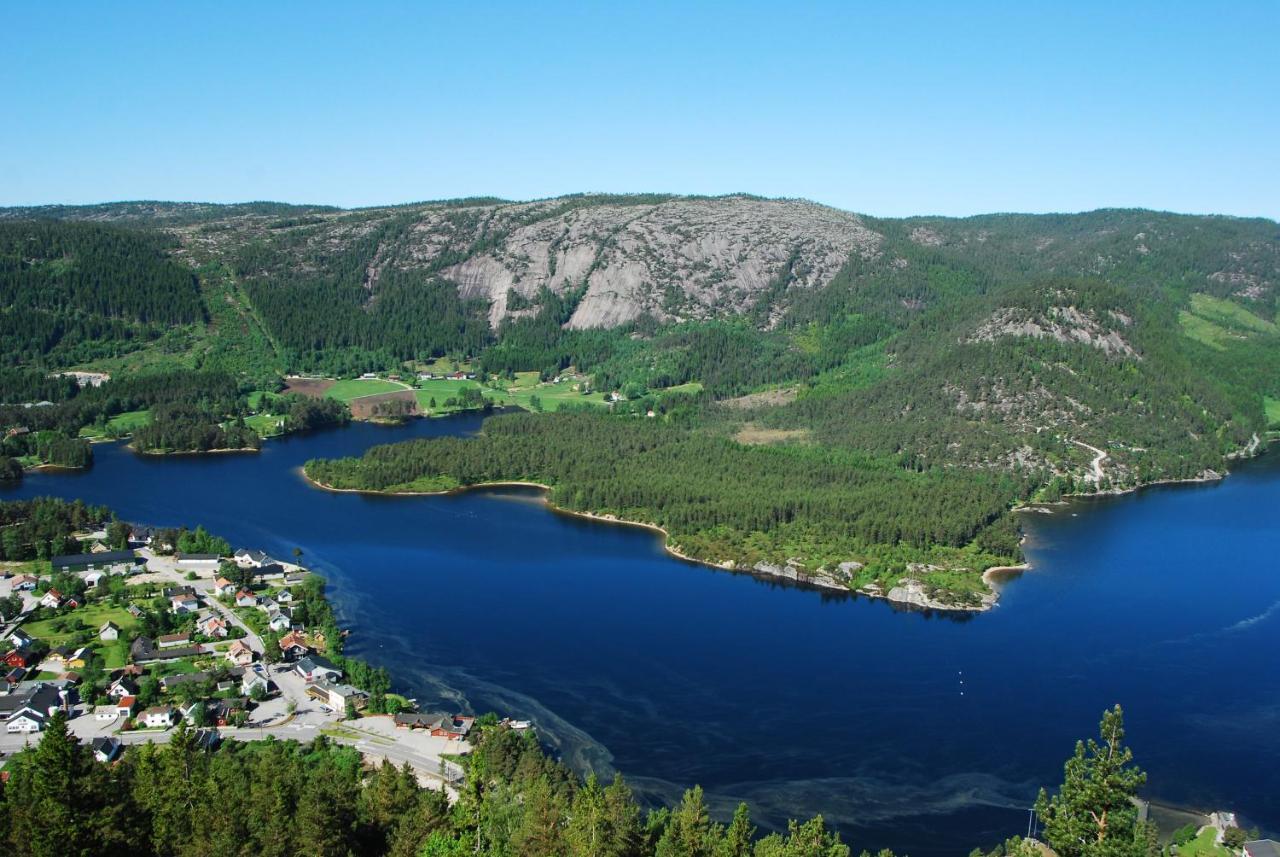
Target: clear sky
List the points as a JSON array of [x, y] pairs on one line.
[[884, 108]]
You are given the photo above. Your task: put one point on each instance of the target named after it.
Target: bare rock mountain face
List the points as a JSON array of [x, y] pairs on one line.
[[679, 259], [673, 258]]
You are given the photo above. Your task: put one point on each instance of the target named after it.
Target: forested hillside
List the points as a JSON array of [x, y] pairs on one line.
[[978, 362]]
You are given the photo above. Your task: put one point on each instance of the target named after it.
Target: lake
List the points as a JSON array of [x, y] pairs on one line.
[[916, 731]]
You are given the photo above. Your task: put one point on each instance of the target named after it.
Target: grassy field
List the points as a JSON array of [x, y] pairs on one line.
[[345, 391], [120, 424], [1217, 322], [1272, 407], [90, 617], [265, 424], [1204, 846]]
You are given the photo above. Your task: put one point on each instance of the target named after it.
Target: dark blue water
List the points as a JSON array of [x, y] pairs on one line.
[[912, 731]]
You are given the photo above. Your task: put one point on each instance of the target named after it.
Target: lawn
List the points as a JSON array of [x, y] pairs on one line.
[[1204, 846], [265, 424], [1272, 408], [1217, 322], [345, 391], [120, 424], [90, 617]]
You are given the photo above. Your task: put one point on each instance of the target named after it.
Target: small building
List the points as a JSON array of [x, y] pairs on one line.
[[251, 558], [109, 631], [212, 626], [19, 639], [245, 598], [199, 561], [239, 653], [454, 727], [126, 705], [94, 578], [51, 599], [279, 622], [224, 587], [105, 712], [293, 645], [169, 641], [316, 668], [135, 611], [73, 601], [158, 717], [17, 658], [122, 687], [255, 678], [106, 750], [336, 696], [284, 596], [24, 583], [181, 604]]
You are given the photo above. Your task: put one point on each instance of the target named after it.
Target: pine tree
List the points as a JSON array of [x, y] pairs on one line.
[[1094, 812]]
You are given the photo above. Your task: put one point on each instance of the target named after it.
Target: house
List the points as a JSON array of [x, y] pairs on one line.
[[279, 622], [181, 604], [316, 668], [1261, 848], [142, 536], [78, 659], [222, 711], [106, 749], [24, 583], [240, 654], [293, 645], [454, 727], [199, 561], [17, 658], [245, 598], [174, 591], [295, 578], [28, 708], [15, 675], [169, 641], [336, 696], [99, 546], [19, 639], [266, 605], [158, 717], [284, 596], [94, 578], [251, 558], [169, 682], [224, 588], [109, 631], [212, 626], [255, 678], [125, 706], [122, 687], [113, 562], [269, 571], [52, 599]]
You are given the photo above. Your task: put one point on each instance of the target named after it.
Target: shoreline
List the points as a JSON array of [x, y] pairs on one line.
[[675, 551]]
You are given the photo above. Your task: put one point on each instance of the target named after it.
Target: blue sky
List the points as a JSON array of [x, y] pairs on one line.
[[889, 109]]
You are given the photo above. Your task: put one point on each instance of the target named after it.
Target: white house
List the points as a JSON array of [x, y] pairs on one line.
[[52, 599], [160, 716], [245, 598], [199, 561], [104, 712], [93, 578], [26, 721], [212, 626], [279, 622], [184, 604], [240, 654], [284, 596], [254, 677], [109, 631], [251, 559]]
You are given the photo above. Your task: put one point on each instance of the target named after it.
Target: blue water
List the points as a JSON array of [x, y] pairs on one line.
[[914, 731]]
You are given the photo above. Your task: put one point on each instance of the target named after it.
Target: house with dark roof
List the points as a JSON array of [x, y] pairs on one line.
[[315, 668], [106, 749], [1261, 848]]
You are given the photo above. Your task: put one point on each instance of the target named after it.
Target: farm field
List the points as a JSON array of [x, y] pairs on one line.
[[120, 424], [1272, 407], [345, 391]]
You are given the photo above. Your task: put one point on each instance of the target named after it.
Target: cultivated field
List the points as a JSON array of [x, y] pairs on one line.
[[316, 387]]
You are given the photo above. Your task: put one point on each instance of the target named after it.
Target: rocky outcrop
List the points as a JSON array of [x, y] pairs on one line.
[[1063, 323], [916, 594]]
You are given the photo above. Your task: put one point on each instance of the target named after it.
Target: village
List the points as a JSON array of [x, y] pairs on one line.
[[131, 643]]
